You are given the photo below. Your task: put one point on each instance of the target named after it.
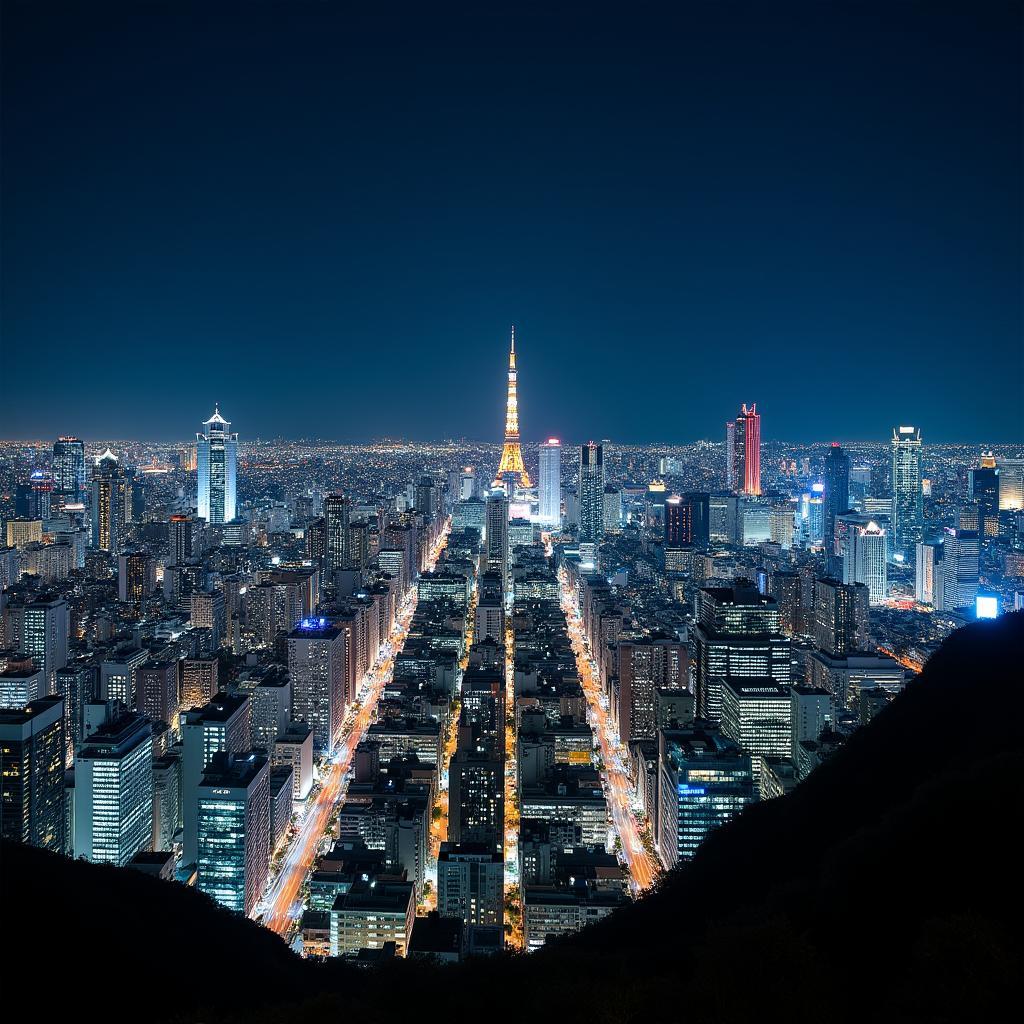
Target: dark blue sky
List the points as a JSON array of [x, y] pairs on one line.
[[328, 222]]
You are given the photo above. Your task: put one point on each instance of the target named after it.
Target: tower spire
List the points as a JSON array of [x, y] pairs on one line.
[[511, 465]]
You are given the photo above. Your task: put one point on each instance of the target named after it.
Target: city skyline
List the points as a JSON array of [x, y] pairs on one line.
[[369, 226], [506, 481]]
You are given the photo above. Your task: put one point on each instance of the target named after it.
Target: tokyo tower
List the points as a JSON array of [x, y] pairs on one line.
[[511, 455]]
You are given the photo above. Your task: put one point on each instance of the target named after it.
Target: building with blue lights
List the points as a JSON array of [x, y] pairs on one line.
[[704, 780], [217, 466], [318, 660], [234, 830]]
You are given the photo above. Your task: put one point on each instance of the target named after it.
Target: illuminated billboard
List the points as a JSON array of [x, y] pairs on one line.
[[986, 606]]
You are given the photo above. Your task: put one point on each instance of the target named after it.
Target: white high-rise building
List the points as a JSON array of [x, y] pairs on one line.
[[907, 497], [551, 483], [114, 791], [961, 553], [1011, 484], [865, 562], [217, 465], [928, 575]]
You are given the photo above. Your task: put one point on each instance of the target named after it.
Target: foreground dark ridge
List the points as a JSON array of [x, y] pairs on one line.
[[887, 884]]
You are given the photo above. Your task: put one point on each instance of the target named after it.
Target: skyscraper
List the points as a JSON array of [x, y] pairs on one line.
[[318, 654], [114, 791], [730, 455], [961, 551], [426, 498], [984, 489], [497, 537], [32, 747], [225, 724], [865, 561], [111, 499], [551, 482], [234, 830], [184, 539], [337, 523], [591, 493], [738, 636], [69, 469], [907, 498], [704, 781], [837, 492], [747, 453], [841, 617], [511, 469], [217, 464], [1011, 484], [39, 625], [928, 577]]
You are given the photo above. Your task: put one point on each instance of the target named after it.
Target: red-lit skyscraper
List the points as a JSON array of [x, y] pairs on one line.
[[747, 464]]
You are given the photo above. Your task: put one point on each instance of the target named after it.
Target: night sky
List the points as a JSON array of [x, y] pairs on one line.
[[327, 222]]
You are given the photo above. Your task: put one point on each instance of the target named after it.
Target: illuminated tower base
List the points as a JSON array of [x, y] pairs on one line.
[[511, 469]]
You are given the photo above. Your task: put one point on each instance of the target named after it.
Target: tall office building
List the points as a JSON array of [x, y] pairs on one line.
[[591, 493], [643, 666], [747, 451], [184, 539], [786, 588], [233, 827], [678, 522], [224, 724], [551, 482], [114, 791], [687, 521], [156, 691], [337, 525], [907, 497], [984, 489], [865, 561], [166, 800], [32, 749], [961, 550], [928, 579], [426, 498], [467, 483], [1011, 485], [704, 780], [737, 637], [810, 715], [841, 617], [69, 469], [497, 537], [511, 470], [837, 492], [318, 654], [38, 625], [110, 503], [136, 576], [34, 500], [756, 715], [198, 682], [730, 455], [217, 466]]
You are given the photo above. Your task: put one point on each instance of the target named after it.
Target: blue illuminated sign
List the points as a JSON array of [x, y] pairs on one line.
[[313, 624]]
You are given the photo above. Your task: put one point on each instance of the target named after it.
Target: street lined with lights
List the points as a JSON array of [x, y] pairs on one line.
[[643, 868], [282, 907]]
